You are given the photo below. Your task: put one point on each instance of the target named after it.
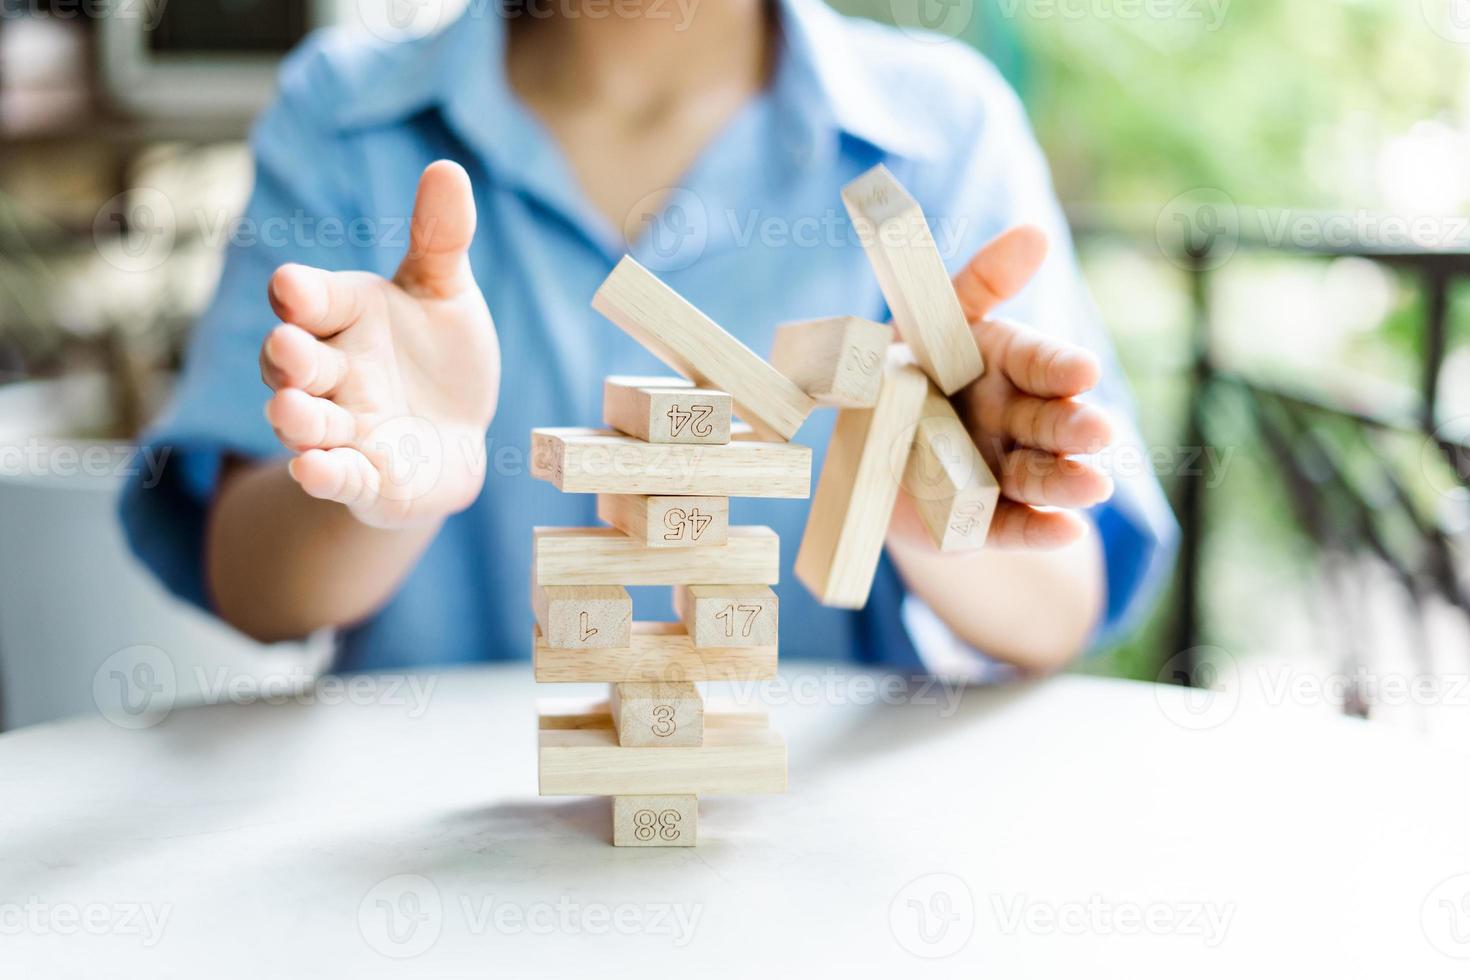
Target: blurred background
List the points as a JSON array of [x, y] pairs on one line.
[[1272, 202]]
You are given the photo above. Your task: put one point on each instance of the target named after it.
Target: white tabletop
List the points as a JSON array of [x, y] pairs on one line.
[[1075, 827]]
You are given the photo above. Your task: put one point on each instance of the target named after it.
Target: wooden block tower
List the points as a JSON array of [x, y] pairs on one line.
[[664, 471]]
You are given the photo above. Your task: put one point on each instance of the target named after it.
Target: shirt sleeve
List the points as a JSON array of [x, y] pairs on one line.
[[1003, 180], [298, 212]]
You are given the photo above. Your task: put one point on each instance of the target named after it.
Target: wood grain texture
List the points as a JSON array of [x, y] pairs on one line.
[[573, 713], [657, 713], [590, 762], [857, 489], [911, 273], [668, 522], [951, 486], [600, 461], [838, 361], [655, 821], [660, 652], [607, 556], [666, 410], [694, 345], [581, 617], [728, 615]]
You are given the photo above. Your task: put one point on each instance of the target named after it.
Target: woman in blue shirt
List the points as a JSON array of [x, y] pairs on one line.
[[385, 489]]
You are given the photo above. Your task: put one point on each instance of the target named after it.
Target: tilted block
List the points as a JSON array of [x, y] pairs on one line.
[[668, 522], [590, 762], [659, 652], [666, 410], [656, 821], [694, 345], [911, 273], [951, 486], [838, 361], [857, 489], [574, 713], [598, 461], [580, 617], [728, 615], [657, 713], [607, 556]]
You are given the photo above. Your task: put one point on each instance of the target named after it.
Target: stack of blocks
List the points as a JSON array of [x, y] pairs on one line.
[[664, 471]]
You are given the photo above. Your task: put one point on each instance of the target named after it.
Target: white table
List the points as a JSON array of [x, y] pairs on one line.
[[1071, 828]]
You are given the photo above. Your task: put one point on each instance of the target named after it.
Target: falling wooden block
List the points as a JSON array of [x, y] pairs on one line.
[[598, 461], [838, 361], [668, 522], [658, 652], [857, 489], [953, 490], [728, 615], [666, 410], [580, 617], [656, 821], [919, 292], [590, 762], [657, 713], [572, 713], [607, 556], [694, 345]]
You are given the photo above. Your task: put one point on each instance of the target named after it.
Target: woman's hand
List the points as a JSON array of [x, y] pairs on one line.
[[1022, 412], [384, 388]]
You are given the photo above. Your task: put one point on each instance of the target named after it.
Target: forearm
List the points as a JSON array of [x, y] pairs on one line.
[[275, 557], [1033, 609]]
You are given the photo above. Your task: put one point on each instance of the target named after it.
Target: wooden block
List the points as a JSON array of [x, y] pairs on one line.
[[560, 714], [657, 713], [590, 762], [838, 361], [607, 556], [911, 273], [599, 461], [581, 617], [951, 486], [656, 821], [694, 345], [728, 615], [857, 489], [659, 652], [668, 522], [666, 410]]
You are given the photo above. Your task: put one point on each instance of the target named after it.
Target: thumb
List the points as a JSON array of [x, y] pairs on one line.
[[438, 263], [999, 270]]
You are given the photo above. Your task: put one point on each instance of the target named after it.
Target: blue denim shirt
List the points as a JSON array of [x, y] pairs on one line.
[[754, 234]]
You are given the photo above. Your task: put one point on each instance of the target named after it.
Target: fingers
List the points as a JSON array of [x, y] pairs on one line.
[[341, 475], [303, 422], [293, 358], [1019, 526], [1030, 476], [999, 270], [325, 303], [1057, 425], [1035, 363], [443, 226]]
